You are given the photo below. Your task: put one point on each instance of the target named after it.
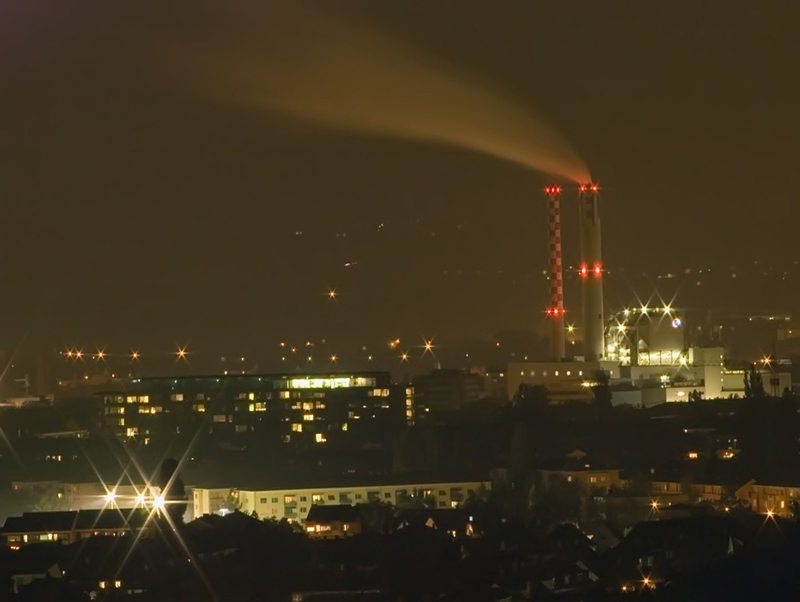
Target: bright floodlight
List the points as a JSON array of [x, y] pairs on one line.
[[158, 502], [111, 496], [140, 498]]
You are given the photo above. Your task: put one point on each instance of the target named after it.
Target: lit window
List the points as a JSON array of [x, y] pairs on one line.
[[199, 407], [297, 427], [308, 405], [118, 584], [320, 438], [176, 397], [285, 394], [344, 426], [308, 417]]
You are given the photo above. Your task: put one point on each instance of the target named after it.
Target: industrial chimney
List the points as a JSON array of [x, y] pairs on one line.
[[555, 311], [591, 272]]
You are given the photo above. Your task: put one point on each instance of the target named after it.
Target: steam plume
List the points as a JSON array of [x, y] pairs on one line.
[[337, 74]]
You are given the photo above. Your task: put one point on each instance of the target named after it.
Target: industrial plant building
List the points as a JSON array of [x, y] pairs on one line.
[[647, 353]]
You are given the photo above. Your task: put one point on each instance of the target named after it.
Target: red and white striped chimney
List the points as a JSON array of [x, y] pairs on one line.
[[556, 309]]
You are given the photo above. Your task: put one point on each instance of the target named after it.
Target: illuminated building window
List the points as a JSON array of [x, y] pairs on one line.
[[120, 422], [289, 499], [260, 406], [285, 394], [317, 497], [308, 417], [319, 405], [132, 431], [308, 405], [176, 397], [693, 455], [344, 426], [220, 418], [199, 407], [320, 438], [297, 427], [241, 428], [251, 407]]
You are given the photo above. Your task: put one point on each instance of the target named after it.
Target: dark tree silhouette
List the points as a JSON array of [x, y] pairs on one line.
[[172, 489], [602, 391]]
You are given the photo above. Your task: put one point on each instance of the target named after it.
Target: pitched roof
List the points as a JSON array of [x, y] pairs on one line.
[[53, 522], [327, 514], [111, 518], [40, 521]]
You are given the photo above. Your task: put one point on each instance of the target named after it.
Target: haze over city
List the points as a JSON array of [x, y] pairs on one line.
[[399, 301], [135, 186]]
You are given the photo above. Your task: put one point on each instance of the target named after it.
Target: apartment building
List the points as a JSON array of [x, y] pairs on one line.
[[294, 503]]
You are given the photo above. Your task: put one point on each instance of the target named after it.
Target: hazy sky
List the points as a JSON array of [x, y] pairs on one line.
[[137, 208]]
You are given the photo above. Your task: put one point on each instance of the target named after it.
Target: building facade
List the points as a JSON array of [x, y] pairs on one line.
[[303, 409], [294, 503]]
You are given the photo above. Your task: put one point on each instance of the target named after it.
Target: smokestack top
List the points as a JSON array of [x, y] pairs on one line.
[[589, 188], [552, 190]]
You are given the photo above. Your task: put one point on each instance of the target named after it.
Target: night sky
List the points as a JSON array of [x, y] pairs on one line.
[[141, 210]]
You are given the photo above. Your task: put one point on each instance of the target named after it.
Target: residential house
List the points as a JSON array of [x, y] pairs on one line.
[[70, 526], [330, 522]]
